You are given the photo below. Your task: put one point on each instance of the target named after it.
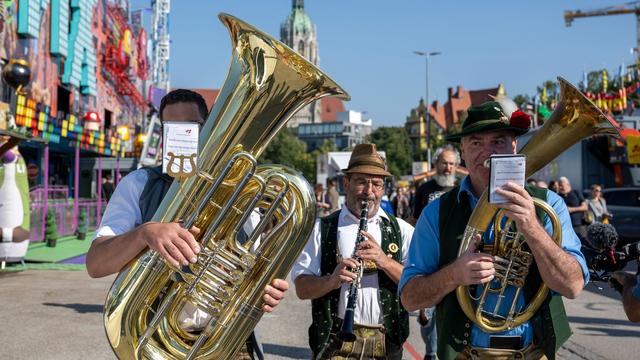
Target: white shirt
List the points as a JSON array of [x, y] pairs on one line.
[[123, 210], [123, 214], [368, 308]]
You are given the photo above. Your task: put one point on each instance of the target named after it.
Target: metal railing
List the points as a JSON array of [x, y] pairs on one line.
[[62, 207]]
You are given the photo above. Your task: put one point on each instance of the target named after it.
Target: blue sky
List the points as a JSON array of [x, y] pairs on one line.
[[367, 46]]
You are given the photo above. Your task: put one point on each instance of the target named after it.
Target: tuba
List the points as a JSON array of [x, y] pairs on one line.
[[266, 84], [575, 118]]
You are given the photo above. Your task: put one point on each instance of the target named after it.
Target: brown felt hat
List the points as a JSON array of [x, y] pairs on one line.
[[366, 160]]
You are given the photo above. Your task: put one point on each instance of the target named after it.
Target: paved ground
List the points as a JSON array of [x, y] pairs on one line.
[[58, 315]]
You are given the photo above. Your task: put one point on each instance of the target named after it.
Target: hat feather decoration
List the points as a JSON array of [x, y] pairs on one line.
[[507, 104]]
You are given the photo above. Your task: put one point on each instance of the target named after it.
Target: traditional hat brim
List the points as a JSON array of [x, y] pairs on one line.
[[366, 169], [496, 125]]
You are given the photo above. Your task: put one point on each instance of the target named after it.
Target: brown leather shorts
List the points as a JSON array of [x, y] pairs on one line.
[[531, 352], [370, 343]]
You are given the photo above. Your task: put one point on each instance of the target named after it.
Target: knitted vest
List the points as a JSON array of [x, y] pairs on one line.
[[550, 325], [325, 309]]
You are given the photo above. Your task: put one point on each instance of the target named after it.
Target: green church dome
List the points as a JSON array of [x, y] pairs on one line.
[[298, 20]]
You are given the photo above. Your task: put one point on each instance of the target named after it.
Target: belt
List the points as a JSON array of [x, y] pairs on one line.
[[531, 352], [364, 331]]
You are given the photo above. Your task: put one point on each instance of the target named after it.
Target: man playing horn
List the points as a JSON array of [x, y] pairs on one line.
[[434, 271], [325, 269]]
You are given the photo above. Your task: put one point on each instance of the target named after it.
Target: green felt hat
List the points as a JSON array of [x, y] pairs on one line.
[[490, 116]]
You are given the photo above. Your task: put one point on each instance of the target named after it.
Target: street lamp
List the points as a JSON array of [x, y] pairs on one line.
[[427, 55]]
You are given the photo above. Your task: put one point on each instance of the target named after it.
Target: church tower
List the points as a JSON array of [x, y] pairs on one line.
[[299, 33]]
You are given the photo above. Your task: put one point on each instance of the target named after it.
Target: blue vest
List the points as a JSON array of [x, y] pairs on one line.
[[550, 324]]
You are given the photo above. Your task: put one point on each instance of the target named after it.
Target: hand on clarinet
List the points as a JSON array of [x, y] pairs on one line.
[[370, 250], [343, 273]]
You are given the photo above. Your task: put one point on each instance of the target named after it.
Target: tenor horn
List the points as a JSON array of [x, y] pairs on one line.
[[575, 118], [266, 84]]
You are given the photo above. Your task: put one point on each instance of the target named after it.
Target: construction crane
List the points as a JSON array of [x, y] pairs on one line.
[[632, 7]]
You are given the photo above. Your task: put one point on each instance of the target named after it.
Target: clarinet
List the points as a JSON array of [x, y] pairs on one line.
[[346, 332]]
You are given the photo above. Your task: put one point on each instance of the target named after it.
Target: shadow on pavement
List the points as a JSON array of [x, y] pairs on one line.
[[287, 351], [603, 289], [79, 308], [608, 327], [610, 332], [592, 320]]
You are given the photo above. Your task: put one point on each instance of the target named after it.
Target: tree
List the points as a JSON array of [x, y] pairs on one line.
[[594, 81], [287, 149], [522, 101], [395, 142], [548, 93], [51, 229]]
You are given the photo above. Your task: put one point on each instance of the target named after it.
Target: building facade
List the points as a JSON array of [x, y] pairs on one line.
[[445, 117], [349, 130], [86, 97]]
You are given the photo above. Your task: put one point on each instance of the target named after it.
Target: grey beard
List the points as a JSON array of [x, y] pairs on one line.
[[445, 180]]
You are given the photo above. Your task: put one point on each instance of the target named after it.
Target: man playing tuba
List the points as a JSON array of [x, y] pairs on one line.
[[126, 228], [434, 271]]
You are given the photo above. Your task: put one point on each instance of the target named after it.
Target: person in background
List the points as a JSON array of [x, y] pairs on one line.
[[542, 184], [597, 205], [400, 201], [321, 206], [332, 197], [554, 186], [532, 182], [577, 206], [630, 294], [446, 160], [108, 187]]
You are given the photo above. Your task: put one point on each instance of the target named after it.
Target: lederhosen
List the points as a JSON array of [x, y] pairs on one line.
[[154, 191], [550, 325], [325, 309]]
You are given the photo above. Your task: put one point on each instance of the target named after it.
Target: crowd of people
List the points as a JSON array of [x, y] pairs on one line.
[[398, 268], [583, 211]]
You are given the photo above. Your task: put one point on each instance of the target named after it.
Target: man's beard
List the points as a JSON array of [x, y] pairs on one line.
[[445, 180]]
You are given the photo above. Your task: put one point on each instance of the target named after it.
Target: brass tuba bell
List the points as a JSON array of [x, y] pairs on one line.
[[575, 118], [266, 84]]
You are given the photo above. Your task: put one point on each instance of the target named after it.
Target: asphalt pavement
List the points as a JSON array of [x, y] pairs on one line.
[[58, 315]]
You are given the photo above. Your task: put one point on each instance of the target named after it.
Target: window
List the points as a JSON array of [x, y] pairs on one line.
[[63, 100], [107, 119]]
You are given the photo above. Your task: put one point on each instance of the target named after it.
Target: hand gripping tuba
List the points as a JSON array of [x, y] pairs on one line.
[[575, 118], [266, 84]]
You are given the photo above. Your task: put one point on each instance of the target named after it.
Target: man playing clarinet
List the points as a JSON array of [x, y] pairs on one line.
[[375, 325]]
